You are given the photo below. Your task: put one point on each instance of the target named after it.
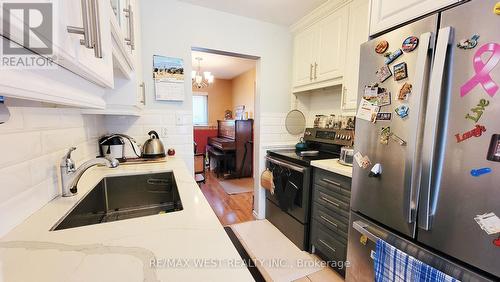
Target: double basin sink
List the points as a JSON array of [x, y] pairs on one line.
[[125, 197]]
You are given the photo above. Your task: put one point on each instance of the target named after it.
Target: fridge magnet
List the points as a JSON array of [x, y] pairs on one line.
[[381, 47], [480, 171], [363, 162], [496, 242], [393, 56], [363, 239], [387, 54], [410, 44], [367, 111], [400, 71], [385, 134], [476, 132], [384, 116], [384, 98], [383, 73], [489, 222], [376, 171], [496, 9], [477, 111], [483, 69], [402, 111], [398, 139], [494, 149], [470, 43], [405, 91], [371, 93]]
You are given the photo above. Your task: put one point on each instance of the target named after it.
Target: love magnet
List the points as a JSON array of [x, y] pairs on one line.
[[477, 112], [402, 111], [476, 132], [483, 70], [393, 56], [480, 171], [381, 47], [470, 43], [410, 44]]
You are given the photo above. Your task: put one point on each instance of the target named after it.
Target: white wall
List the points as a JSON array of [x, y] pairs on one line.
[[172, 28], [32, 143], [325, 101]]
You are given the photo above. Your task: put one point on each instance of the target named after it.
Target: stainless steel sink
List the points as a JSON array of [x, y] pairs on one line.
[[125, 197]]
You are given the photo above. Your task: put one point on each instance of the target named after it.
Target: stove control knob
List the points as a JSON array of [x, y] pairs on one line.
[[308, 133], [343, 137], [349, 137], [338, 136]]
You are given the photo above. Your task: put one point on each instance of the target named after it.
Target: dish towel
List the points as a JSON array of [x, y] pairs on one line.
[[394, 265]]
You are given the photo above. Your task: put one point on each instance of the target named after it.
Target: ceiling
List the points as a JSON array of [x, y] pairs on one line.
[[222, 67], [281, 12]]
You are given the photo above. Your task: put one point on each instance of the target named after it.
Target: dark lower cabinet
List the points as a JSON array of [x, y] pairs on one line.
[[330, 217]]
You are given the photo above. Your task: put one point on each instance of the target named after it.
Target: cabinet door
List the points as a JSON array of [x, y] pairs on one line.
[[332, 37], [358, 34], [389, 13], [97, 68], [303, 62]]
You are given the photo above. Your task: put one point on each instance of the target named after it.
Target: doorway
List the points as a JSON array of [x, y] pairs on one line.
[[224, 110]]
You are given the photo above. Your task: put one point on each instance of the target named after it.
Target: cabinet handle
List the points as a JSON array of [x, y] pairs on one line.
[[129, 13], [326, 245], [87, 26], [143, 86], [311, 72], [315, 70], [330, 202], [96, 28], [329, 221], [331, 182]]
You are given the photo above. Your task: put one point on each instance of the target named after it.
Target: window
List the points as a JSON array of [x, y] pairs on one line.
[[200, 109]]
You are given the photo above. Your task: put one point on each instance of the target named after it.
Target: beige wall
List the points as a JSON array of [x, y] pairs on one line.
[[219, 99], [244, 91]]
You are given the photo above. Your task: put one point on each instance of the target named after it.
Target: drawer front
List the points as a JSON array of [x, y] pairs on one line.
[[330, 220], [344, 198], [326, 199], [333, 249], [336, 182]]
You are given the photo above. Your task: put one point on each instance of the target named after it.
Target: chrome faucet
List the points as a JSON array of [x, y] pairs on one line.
[[70, 175]]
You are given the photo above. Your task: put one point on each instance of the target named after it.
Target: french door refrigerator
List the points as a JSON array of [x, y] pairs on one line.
[[435, 148]]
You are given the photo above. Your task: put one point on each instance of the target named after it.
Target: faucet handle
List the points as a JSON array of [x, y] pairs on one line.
[[67, 162]]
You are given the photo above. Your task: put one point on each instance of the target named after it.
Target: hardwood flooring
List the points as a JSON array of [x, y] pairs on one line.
[[230, 209]]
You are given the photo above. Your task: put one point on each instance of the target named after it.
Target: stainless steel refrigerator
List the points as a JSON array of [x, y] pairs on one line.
[[439, 163]]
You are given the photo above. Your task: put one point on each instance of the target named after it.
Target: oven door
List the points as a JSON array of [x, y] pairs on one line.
[[292, 188]]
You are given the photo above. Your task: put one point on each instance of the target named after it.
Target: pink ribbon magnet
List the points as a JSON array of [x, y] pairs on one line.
[[483, 70]]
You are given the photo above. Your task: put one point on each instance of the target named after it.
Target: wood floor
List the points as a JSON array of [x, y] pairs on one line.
[[230, 209]]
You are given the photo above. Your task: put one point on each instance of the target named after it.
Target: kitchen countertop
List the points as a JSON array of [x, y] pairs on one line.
[[334, 166], [125, 250]]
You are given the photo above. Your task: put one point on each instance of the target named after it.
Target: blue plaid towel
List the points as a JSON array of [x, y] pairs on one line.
[[394, 265]]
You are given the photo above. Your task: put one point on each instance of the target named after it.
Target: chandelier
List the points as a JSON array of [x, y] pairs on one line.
[[201, 80]]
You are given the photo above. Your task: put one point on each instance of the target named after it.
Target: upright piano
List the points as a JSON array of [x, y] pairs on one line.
[[233, 136]]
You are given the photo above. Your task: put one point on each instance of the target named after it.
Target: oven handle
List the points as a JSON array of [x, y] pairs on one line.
[[286, 164]]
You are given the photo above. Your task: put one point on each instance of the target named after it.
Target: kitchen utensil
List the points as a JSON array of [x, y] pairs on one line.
[[295, 122], [153, 148], [302, 145], [112, 147], [346, 155], [266, 180]]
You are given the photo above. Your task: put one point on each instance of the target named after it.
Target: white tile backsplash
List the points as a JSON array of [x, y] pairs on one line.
[[32, 143]]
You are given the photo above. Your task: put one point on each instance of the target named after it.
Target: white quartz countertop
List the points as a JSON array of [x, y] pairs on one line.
[[334, 166], [187, 245]]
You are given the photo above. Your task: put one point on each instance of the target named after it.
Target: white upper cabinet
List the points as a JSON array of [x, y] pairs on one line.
[[385, 14], [124, 31], [304, 50], [332, 37], [358, 34], [319, 52]]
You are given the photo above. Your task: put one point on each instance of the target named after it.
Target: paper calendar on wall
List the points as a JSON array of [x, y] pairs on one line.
[[168, 75]]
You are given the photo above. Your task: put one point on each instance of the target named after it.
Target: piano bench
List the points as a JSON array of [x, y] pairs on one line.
[[221, 160]]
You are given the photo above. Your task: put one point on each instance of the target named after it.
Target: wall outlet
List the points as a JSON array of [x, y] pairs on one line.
[[163, 132]]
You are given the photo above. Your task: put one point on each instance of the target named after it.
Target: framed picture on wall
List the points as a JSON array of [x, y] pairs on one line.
[[168, 76]]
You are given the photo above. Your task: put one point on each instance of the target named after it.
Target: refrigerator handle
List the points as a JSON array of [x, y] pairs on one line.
[[432, 137], [412, 169]]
